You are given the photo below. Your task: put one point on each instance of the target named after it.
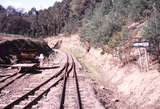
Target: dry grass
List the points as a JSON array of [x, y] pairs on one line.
[[128, 83]]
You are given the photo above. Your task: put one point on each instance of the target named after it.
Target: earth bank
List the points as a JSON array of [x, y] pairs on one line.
[[131, 88]]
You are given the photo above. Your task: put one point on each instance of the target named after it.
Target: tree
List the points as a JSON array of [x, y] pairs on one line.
[[152, 33], [104, 22]]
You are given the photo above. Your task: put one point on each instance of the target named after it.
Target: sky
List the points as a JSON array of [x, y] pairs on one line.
[[28, 4]]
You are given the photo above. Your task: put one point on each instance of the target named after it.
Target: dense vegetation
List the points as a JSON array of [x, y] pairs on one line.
[[109, 19], [33, 23], [108, 24], [62, 16]]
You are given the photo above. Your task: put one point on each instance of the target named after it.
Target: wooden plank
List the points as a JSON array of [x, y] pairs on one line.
[[24, 65]]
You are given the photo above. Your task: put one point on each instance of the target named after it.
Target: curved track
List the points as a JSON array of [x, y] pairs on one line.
[[70, 89], [74, 84], [37, 92]]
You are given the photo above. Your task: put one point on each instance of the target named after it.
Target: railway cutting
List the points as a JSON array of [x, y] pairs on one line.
[[57, 84]]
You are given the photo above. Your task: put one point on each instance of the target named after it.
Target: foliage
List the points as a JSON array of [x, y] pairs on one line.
[[100, 28], [106, 24], [152, 33], [118, 39]]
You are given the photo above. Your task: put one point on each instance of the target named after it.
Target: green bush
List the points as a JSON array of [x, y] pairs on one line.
[[100, 28]]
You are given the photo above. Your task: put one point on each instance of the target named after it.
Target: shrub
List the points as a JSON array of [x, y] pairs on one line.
[[100, 28], [152, 33]]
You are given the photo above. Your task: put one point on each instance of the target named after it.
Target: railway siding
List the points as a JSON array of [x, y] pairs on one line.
[[68, 88], [87, 96]]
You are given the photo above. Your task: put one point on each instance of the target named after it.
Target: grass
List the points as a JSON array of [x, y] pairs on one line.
[[91, 67]]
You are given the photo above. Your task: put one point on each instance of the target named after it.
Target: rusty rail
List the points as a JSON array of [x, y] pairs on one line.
[[47, 90], [79, 103], [15, 102], [1, 88], [64, 86], [8, 77]]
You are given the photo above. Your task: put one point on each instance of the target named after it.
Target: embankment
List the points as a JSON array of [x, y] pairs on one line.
[[132, 89], [8, 48]]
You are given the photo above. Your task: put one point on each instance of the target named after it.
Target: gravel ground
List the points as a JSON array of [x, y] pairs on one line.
[[22, 85], [104, 97], [89, 101], [52, 99]]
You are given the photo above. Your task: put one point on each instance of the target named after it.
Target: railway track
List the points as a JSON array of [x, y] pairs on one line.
[[5, 82], [70, 82], [8, 77], [11, 78], [36, 93], [71, 93], [8, 81], [31, 97], [70, 96], [5, 76]]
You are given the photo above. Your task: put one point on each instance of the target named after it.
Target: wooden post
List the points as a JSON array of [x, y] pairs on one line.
[[146, 60], [140, 59], [143, 55]]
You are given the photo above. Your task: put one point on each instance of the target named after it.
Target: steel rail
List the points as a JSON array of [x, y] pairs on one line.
[[62, 98], [77, 86], [10, 76], [9, 106], [1, 88], [47, 90], [79, 103]]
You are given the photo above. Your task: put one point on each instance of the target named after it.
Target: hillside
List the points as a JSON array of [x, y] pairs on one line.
[[128, 85]]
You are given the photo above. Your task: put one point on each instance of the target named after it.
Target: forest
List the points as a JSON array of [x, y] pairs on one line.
[[56, 19]]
